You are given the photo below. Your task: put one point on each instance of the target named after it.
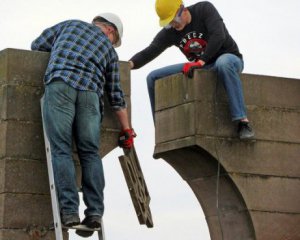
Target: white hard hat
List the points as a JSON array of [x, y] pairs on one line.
[[116, 21]]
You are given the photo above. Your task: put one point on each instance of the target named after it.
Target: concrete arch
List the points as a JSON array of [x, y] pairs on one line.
[[259, 188], [230, 219]]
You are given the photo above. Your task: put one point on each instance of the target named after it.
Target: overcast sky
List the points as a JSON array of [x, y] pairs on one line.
[[268, 35]]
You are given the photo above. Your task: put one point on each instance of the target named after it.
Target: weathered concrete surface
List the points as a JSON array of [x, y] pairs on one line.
[[258, 181], [25, 207]]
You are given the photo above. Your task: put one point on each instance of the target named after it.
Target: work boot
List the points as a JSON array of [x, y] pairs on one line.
[[92, 222], [245, 131], [70, 220]]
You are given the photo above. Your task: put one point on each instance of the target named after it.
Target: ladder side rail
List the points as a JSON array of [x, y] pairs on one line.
[[101, 234]]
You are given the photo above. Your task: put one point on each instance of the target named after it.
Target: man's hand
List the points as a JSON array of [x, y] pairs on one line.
[[188, 68], [131, 64], [126, 138]]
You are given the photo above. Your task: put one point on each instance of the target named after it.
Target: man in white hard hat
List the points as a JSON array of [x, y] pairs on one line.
[[83, 65], [199, 32]]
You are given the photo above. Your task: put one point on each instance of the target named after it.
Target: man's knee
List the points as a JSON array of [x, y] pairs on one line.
[[151, 79], [229, 62], [223, 61]]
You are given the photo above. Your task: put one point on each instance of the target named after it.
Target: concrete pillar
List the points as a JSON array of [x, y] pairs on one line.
[[25, 207], [258, 181]]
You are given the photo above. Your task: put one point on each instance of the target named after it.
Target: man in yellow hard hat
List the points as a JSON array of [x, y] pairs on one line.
[[199, 32]]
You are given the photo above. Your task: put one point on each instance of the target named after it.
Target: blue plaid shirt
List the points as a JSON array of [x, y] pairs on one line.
[[83, 57]]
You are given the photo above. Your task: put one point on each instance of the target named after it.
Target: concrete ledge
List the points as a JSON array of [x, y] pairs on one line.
[[22, 67], [259, 180], [259, 90], [196, 117]]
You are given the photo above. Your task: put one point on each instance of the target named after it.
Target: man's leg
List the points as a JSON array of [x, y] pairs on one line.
[[157, 74], [58, 114], [228, 68], [87, 136]]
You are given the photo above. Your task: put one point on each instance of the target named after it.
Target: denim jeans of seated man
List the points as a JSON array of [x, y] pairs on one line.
[[69, 113], [227, 66]]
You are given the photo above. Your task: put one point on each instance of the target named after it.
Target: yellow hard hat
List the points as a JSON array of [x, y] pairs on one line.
[[166, 10]]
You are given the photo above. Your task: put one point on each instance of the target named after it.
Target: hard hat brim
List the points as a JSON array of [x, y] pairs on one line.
[[165, 22]]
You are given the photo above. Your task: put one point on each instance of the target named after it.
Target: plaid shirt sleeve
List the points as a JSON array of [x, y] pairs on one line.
[[45, 41], [113, 87]]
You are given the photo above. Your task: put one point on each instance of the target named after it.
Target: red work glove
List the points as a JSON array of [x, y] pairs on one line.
[[126, 138], [188, 68]]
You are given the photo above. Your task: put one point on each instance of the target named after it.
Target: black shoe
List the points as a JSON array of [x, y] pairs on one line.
[[245, 131], [70, 220], [93, 221]]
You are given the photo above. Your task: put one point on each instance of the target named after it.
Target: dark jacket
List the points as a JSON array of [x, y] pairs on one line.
[[205, 38]]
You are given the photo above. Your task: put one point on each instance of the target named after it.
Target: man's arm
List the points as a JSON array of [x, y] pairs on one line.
[[159, 44], [116, 99], [46, 40], [122, 116]]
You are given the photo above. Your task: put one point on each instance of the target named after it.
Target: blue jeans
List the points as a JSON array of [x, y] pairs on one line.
[[227, 66], [71, 113]]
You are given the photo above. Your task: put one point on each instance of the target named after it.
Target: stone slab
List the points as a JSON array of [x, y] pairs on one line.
[[276, 226], [30, 233], [24, 176], [3, 127], [3, 65], [182, 124], [20, 210], [177, 89], [271, 91], [3, 102], [270, 194], [23, 140], [260, 157], [23, 67], [28, 68], [108, 141], [21, 102], [173, 91], [230, 229], [200, 118], [268, 123]]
